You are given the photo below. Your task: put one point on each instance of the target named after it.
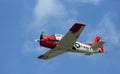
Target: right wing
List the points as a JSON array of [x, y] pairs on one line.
[[71, 36]]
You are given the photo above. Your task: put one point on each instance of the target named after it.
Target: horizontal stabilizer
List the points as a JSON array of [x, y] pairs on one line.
[[97, 45]]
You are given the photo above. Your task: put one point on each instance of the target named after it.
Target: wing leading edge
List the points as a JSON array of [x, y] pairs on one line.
[[65, 43]]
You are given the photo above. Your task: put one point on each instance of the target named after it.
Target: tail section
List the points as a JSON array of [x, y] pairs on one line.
[[96, 40], [97, 44]]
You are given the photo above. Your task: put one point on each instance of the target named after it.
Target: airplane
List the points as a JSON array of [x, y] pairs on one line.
[[59, 44]]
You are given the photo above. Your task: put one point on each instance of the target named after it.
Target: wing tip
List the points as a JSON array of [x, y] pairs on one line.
[[76, 27], [80, 24], [42, 57]]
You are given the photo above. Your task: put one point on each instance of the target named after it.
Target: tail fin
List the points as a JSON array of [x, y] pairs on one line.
[[96, 40]]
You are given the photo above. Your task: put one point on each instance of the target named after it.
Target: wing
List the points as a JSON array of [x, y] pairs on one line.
[[51, 53], [71, 36]]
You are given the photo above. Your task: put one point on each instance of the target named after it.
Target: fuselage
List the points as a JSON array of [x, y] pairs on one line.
[[52, 41], [82, 48]]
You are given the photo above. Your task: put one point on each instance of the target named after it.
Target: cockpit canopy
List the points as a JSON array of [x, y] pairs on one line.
[[58, 35]]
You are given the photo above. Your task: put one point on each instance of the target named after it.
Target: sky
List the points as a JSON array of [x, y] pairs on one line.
[[22, 21]]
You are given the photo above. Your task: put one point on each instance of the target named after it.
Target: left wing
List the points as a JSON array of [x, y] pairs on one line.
[[51, 53]]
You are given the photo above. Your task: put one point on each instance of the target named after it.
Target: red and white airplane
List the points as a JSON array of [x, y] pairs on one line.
[[59, 44]]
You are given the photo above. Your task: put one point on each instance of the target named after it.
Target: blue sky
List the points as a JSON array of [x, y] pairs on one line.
[[22, 21]]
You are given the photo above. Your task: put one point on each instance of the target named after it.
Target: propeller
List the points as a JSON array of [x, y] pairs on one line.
[[41, 37]]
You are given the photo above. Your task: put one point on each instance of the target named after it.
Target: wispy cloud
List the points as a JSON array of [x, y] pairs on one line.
[[47, 13], [94, 2], [47, 9]]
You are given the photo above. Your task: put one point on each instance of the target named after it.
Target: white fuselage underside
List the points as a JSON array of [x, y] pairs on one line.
[[82, 48]]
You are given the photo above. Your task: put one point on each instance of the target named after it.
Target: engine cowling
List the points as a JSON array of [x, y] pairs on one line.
[[48, 41]]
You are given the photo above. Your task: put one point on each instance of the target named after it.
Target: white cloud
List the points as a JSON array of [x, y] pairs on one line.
[[45, 11], [48, 8], [94, 2]]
